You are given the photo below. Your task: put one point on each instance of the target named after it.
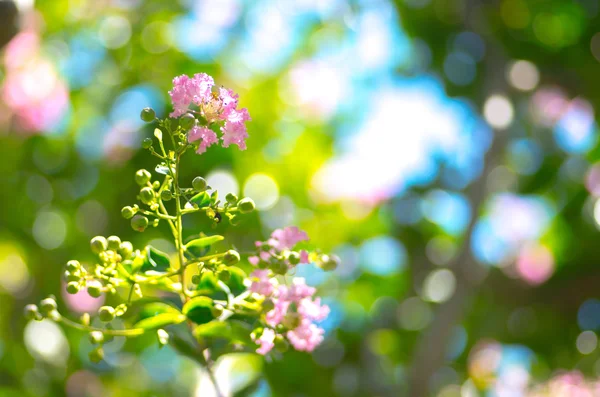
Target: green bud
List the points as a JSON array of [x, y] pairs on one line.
[[147, 143], [163, 337], [148, 115], [231, 198], [216, 310], [147, 195], [224, 275], [127, 212], [199, 184], [246, 205], [187, 121], [71, 276], [85, 319], [268, 305], [98, 244], [156, 185], [139, 223], [166, 195], [231, 257], [281, 344], [96, 337], [126, 249], [94, 288], [279, 267], [32, 313], [142, 177], [196, 279], [114, 243], [53, 315], [96, 355], [73, 265], [106, 313], [294, 258], [328, 262], [47, 305], [73, 287]]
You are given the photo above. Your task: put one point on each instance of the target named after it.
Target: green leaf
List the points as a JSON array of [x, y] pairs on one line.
[[202, 199], [203, 242], [156, 260], [199, 309], [160, 320], [235, 331]]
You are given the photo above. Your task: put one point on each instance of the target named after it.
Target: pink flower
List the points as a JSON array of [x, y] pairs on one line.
[[296, 292], [288, 237], [234, 133], [189, 90], [304, 257], [254, 260], [266, 341], [261, 282], [276, 316], [306, 337], [312, 309], [207, 136]]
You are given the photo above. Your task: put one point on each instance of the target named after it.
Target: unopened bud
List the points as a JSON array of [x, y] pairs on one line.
[[163, 337], [147, 115], [147, 195], [231, 198], [96, 337], [47, 305], [73, 287], [166, 195], [328, 262], [139, 223], [127, 212], [73, 265], [94, 288], [294, 258], [231, 257], [126, 249], [187, 121], [106, 313], [96, 355], [142, 177], [147, 143], [32, 313], [199, 184], [114, 243], [98, 244], [246, 205]]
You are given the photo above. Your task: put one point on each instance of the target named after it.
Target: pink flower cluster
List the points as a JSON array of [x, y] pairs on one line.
[[215, 107], [271, 251], [572, 384], [302, 332]]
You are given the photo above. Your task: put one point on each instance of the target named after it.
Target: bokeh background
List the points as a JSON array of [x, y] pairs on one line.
[[444, 149]]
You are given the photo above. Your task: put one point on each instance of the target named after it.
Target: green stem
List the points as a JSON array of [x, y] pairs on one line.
[[110, 332], [179, 237]]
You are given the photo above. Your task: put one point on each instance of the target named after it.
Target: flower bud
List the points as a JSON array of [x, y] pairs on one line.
[[98, 244], [246, 205], [142, 177], [328, 262], [71, 276], [148, 115], [96, 337], [156, 185], [94, 288], [216, 310], [279, 267], [114, 243], [231, 257], [73, 265], [126, 249], [147, 195], [147, 143], [199, 184], [85, 319], [163, 337], [231, 198], [73, 287], [106, 313], [47, 305], [96, 355], [196, 279], [187, 121], [32, 313], [281, 344], [166, 195], [139, 223], [127, 212], [294, 258]]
